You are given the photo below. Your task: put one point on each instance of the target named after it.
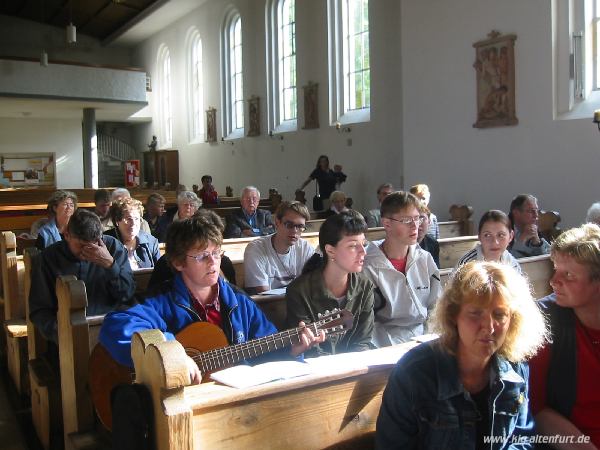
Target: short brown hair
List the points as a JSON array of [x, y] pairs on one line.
[[419, 190], [583, 245], [494, 215], [59, 196], [397, 201], [118, 208], [188, 233], [297, 207]]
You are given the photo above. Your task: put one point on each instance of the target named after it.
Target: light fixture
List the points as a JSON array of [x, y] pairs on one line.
[[597, 118], [44, 59], [71, 34], [341, 129]]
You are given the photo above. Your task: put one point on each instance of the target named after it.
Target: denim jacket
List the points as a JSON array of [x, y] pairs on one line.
[[425, 405]]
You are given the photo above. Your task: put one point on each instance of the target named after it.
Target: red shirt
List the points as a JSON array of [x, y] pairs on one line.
[[586, 410], [211, 312], [209, 197], [399, 264]]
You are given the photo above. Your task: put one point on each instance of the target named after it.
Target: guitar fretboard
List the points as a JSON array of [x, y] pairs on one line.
[[227, 356]]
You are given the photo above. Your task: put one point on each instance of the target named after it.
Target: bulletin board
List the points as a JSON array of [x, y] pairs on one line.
[[28, 169]]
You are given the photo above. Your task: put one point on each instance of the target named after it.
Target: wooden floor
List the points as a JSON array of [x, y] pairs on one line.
[[16, 429]]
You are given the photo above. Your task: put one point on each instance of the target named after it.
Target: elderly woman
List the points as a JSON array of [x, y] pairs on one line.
[[564, 376], [469, 388], [61, 206], [338, 204], [142, 248], [187, 204], [421, 191]]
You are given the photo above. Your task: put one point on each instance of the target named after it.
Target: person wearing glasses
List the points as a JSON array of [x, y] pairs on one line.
[[524, 215], [196, 293], [272, 262], [495, 233], [332, 280], [142, 248], [406, 277], [61, 206]]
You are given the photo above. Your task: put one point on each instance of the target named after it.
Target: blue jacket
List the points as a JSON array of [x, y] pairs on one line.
[[171, 311], [425, 405], [47, 235], [146, 252]]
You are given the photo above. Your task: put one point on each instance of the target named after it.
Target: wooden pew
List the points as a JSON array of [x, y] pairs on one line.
[[451, 228], [462, 214], [46, 410], [15, 326], [538, 269], [332, 408], [77, 336], [452, 249]]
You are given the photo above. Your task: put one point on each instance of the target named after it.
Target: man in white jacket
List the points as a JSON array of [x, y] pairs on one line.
[[406, 277]]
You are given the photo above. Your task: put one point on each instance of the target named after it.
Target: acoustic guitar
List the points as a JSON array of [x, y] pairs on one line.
[[207, 345]]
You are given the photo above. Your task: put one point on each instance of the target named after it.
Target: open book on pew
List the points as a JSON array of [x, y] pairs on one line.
[[243, 376]]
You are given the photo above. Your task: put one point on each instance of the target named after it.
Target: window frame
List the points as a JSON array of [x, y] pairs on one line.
[[165, 96], [339, 111], [195, 88], [227, 91], [274, 69]]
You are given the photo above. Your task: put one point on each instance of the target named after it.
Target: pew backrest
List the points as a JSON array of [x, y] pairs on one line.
[[36, 344]]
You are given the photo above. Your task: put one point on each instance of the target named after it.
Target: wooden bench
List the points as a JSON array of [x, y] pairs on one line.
[[333, 408], [452, 228], [46, 410], [15, 325], [77, 336], [538, 269]]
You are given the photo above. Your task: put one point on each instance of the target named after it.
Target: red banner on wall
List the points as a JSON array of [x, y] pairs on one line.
[[132, 173]]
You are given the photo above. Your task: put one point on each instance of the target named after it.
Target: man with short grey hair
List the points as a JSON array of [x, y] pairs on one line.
[[249, 221]]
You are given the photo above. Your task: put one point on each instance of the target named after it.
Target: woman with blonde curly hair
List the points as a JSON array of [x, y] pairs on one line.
[[141, 247], [469, 388]]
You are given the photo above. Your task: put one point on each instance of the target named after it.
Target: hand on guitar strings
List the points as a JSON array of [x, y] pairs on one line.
[[307, 340]]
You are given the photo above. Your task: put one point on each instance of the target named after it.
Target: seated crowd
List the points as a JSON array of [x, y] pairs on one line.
[[468, 384]]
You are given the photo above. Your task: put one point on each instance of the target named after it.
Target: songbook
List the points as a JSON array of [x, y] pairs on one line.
[[243, 376]]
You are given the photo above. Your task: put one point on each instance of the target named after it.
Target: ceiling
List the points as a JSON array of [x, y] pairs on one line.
[[125, 22]]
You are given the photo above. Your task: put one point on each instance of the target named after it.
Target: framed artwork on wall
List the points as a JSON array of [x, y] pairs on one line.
[[211, 124], [495, 69], [27, 170], [254, 116]]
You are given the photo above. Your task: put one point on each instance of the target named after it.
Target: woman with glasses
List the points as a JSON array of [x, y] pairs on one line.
[[406, 276], [495, 233], [61, 206], [333, 281], [196, 294], [141, 247], [468, 389]]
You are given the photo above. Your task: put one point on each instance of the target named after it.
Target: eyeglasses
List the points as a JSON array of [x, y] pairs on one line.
[[295, 226], [202, 257], [407, 220]]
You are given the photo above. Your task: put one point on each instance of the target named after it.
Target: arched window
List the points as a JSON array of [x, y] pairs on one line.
[[281, 69], [233, 92], [195, 87], [164, 96], [349, 61]]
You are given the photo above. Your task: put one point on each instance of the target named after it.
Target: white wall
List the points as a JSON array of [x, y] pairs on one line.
[[19, 37], [556, 160], [62, 137], [375, 153]]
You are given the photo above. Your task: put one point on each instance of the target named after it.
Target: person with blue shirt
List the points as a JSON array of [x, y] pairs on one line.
[[469, 388], [197, 293], [249, 220], [142, 248], [61, 206]]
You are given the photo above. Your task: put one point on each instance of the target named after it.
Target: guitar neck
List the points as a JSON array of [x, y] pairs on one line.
[[223, 357]]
